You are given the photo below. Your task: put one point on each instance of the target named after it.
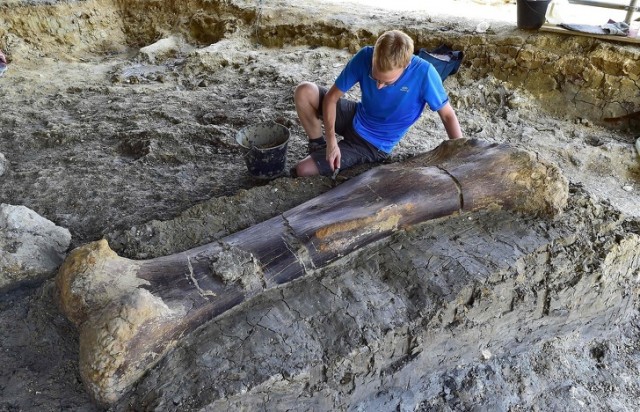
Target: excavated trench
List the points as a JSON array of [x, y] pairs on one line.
[[577, 78], [491, 310]]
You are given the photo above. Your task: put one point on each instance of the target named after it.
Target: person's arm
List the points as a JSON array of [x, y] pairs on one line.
[[450, 121], [329, 105]]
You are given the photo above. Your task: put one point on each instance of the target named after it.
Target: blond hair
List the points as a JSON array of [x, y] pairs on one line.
[[393, 50]]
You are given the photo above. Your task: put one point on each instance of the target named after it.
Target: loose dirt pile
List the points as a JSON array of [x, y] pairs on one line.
[[119, 119]]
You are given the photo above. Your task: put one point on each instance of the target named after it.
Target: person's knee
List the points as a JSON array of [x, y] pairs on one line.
[[307, 167], [306, 93]]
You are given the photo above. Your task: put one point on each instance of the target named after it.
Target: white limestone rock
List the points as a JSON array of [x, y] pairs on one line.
[[162, 49], [31, 247]]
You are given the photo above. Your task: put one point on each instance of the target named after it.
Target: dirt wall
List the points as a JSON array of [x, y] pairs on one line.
[[574, 77]]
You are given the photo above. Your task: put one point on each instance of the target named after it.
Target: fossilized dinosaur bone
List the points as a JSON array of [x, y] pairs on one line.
[[130, 313]]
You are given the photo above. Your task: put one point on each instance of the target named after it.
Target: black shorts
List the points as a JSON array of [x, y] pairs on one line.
[[354, 149]]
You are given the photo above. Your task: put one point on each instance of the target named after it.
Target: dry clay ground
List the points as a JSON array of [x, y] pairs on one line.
[[137, 145]]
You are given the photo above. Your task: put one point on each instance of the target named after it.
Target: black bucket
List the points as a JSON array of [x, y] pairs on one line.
[[532, 13], [266, 149]]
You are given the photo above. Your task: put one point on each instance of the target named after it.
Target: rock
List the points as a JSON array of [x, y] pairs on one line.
[[3, 164], [482, 27], [31, 247], [222, 54], [160, 50]]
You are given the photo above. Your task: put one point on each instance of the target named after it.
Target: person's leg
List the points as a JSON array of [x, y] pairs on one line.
[[307, 167], [307, 101], [307, 98], [316, 163], [354, 150]]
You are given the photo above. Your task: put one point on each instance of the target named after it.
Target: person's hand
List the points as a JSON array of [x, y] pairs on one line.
[[3, 58], [333, 155]]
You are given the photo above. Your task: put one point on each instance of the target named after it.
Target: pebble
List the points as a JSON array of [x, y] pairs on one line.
[[3, 164], [627, 188], [482, 27]]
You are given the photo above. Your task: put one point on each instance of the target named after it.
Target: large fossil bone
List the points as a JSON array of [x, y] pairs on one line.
[[131, 313]]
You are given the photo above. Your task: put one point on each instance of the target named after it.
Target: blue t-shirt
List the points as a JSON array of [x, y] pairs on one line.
[[384, 115]]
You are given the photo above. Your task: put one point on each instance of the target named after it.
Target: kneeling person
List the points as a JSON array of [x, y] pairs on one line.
[[395, 84]]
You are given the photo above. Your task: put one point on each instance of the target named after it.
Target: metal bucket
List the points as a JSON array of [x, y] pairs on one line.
[[265, 147]]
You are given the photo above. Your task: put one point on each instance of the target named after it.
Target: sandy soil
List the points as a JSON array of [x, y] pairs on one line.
[[138, 146]]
